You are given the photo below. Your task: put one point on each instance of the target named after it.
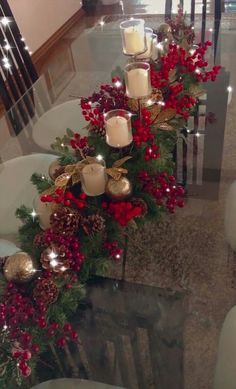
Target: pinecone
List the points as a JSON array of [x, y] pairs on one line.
[[93, 224], [65, 221], [99, 131], [54, 259], [138, 202], [45, 291]]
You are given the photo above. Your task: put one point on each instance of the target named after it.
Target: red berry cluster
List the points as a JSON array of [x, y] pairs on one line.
[[65, 198], [113, 249], [122, 211], [69, 333], [78, 142], [143, 134], [17, 309], [70, 243], [164, 189], [22, 356], [109, 97], [151, 152], [179, 58]]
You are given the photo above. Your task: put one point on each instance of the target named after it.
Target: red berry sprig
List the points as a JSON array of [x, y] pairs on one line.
[[65, 198], [113, 249], [164, 189], [109, 97]]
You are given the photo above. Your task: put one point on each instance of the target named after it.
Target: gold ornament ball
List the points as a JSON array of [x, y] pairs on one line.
[[54, 169], [118, 189], [19, 267], [165, 29]]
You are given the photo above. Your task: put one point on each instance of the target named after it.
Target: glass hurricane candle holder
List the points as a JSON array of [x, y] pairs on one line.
[[94, 178], [154, 47], [133, 37], [149, 42], [118, 128], [138, 80]]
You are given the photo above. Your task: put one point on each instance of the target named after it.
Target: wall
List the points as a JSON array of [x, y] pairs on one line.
[[39, 19]]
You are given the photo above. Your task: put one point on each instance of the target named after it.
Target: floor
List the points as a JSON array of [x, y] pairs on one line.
[[191, 253]]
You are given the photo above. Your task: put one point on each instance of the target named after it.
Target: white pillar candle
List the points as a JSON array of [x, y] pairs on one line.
[[118, 129], [138, 83], [134, 40], [149, 43], [93, 179], [133, 36]]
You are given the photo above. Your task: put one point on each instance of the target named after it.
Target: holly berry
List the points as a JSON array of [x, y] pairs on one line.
[[26, 355], [61, 341], [35, 348]]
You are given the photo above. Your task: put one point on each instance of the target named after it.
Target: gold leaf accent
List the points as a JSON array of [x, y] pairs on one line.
[[62, 180], [166, 127], [172, 75], [165, 115], [196, 91], [155, 96], [121, 161], [116, 173]]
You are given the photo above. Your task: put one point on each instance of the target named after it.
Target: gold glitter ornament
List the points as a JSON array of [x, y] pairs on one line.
[[19, 267], [55, 169], [118, 189]]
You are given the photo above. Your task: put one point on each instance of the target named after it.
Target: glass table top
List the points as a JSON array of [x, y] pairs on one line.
[[179, 280]]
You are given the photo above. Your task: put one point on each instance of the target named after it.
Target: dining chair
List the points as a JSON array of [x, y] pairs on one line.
[[54, 122], [17, 190], [225, 373]]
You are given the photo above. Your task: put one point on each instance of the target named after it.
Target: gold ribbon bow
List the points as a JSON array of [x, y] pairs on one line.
[[116, 171], [73, 172]]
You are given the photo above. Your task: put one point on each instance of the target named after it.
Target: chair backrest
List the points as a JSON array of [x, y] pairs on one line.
[[17, 72]]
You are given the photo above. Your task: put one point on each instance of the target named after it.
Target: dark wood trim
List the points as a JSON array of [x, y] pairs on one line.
[[39, 54]]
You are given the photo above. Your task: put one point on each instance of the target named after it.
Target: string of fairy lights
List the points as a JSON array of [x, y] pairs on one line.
[[6, 47]]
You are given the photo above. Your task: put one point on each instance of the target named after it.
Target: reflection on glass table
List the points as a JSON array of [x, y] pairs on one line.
[[130, 335]]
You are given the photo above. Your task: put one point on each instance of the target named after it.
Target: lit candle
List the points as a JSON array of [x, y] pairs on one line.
[[149, 43], [137, 79], [93, 179], [133, 36], [118, 128]]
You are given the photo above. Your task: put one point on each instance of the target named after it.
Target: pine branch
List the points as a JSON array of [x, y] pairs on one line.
[[41, 182]]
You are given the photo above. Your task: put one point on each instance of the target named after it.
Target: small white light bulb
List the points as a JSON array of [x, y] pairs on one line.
[[52, 255], [7, 47], [33, 214], [5, 21], [53, 262], [118, 84], [7, 65]]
